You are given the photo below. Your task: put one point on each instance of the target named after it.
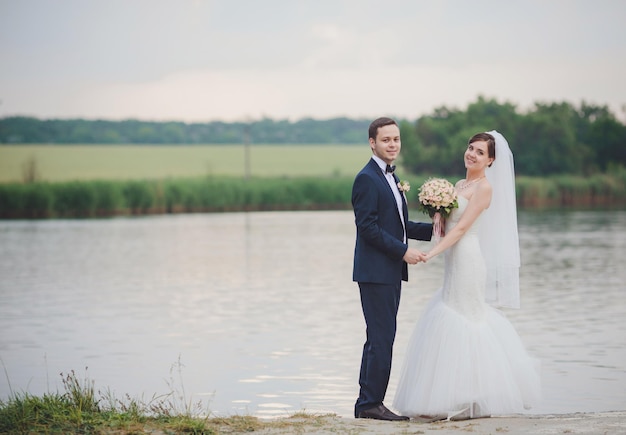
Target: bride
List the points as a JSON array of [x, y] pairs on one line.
[[464, 358]]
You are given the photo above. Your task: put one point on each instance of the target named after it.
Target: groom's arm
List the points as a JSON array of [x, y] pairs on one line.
[[419, 230]]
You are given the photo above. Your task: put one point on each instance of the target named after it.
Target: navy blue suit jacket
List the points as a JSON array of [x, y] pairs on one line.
[[379, 234]]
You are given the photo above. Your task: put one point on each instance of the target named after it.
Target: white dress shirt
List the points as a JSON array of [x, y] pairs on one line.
[[394, 188]]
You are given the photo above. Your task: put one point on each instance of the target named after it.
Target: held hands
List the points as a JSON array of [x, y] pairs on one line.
[[413, 256]]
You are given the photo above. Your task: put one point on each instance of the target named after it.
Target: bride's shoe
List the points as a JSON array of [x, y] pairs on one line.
[[462, 414], [477, 413], [472, 411]]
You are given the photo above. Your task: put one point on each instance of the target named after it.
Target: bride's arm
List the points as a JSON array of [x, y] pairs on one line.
[[477, 203]]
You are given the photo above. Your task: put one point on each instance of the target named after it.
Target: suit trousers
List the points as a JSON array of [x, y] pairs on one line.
[[380, 308]]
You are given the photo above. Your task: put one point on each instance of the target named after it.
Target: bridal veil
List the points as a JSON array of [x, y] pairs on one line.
[[499, 239]]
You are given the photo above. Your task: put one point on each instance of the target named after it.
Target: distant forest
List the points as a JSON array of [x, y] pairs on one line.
[[550, 138], [16, 130]]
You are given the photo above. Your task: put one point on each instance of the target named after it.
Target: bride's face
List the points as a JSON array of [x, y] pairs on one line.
[[477, 156]]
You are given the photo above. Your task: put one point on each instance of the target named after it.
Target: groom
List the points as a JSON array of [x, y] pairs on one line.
[[381, 255]]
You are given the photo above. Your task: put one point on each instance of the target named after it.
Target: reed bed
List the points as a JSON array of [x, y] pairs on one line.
[[85, 199], [599, 190]]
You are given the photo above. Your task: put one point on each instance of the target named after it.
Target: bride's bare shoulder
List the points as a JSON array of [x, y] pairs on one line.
[[479, 193], [484, 186], [483, 192]]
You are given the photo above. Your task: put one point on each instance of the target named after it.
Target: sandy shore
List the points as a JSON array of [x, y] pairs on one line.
[[580, 423]]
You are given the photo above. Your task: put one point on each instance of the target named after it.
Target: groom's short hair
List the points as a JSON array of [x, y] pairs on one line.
[[377, 123]]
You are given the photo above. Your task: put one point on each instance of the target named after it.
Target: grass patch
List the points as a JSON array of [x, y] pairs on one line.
[[81, 409]]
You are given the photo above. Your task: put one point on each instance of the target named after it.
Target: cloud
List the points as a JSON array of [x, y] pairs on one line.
[[205, 60], [301, 91]]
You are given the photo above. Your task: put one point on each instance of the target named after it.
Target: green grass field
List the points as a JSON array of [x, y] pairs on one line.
[[124, 162]]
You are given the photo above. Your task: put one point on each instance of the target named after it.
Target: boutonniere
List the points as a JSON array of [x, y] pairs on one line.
[[404, 186]]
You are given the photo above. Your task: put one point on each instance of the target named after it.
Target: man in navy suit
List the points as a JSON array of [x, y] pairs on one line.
[[381, 256]]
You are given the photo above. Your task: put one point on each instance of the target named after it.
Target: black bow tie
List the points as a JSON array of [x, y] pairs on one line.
[[390, 169]]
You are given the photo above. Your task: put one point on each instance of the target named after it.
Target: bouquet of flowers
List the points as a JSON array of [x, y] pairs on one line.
[[437, 197]]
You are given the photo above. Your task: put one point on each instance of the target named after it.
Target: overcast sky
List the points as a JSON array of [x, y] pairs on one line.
[[203, 60]]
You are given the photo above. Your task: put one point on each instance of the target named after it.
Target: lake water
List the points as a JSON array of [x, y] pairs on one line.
[[256, 313]]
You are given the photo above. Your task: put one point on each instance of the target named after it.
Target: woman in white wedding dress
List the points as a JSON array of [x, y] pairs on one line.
[[464, 358]]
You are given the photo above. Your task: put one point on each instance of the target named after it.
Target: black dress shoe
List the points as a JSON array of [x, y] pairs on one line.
[[380, 412]]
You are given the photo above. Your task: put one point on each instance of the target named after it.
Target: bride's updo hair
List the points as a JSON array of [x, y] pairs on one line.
[[491, 143]]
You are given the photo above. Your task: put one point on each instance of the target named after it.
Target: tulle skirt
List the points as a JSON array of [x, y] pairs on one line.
[[453, 363]]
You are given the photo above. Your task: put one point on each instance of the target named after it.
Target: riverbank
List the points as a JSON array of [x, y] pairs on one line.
[[579, 423], [84, 199], [82, 409]]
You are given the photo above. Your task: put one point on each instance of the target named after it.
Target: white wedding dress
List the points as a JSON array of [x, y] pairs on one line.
[[464, 356]]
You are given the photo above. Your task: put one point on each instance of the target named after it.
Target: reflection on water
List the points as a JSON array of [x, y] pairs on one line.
[[261, 313]]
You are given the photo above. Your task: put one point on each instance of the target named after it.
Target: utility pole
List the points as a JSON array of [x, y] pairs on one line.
[[246, 149]]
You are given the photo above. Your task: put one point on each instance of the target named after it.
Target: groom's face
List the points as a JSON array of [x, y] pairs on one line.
[[387, 143]]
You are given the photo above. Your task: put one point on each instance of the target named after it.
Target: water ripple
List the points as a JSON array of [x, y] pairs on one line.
[[260, 310]]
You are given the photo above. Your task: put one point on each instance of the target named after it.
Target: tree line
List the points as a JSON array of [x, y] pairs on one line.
[[550, 138], [16, 130]]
